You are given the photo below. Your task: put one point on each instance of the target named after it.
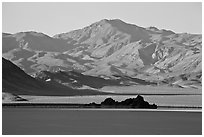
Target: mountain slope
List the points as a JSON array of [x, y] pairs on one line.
[[108, 48], [16, 81], [78, 80]]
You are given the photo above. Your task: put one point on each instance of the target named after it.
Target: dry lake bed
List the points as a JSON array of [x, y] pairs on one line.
[[56, 121], [38, 121], [162, 96]]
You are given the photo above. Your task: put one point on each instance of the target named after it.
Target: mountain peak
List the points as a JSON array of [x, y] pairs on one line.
[[108, 20], [119, 22], [114, 22], [104, 20]]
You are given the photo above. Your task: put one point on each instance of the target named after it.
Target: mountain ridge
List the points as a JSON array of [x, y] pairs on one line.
[[108, 48]]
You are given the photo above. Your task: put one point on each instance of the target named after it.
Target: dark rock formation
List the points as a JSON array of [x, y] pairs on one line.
[[109, 102], [137, 102]]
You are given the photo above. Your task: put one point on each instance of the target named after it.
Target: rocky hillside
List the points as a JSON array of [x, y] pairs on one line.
[[111, 47], [16, 82]]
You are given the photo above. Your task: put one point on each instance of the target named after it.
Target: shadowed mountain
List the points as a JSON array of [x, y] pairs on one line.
[[75, 79], [78, 80], [16, 81]]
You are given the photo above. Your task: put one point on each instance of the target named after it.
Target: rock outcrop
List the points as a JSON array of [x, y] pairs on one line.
[[137, 102]]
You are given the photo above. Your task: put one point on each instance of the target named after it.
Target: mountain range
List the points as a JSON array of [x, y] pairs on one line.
[[109, 50]]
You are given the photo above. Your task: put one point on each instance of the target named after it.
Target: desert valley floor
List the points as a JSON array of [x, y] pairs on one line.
[[160, 95], [36, 121], [179, 112]]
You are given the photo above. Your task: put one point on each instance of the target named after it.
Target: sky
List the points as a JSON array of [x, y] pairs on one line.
[[54, 18]]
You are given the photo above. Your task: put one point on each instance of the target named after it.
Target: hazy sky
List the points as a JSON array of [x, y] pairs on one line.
[[53, 18]]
